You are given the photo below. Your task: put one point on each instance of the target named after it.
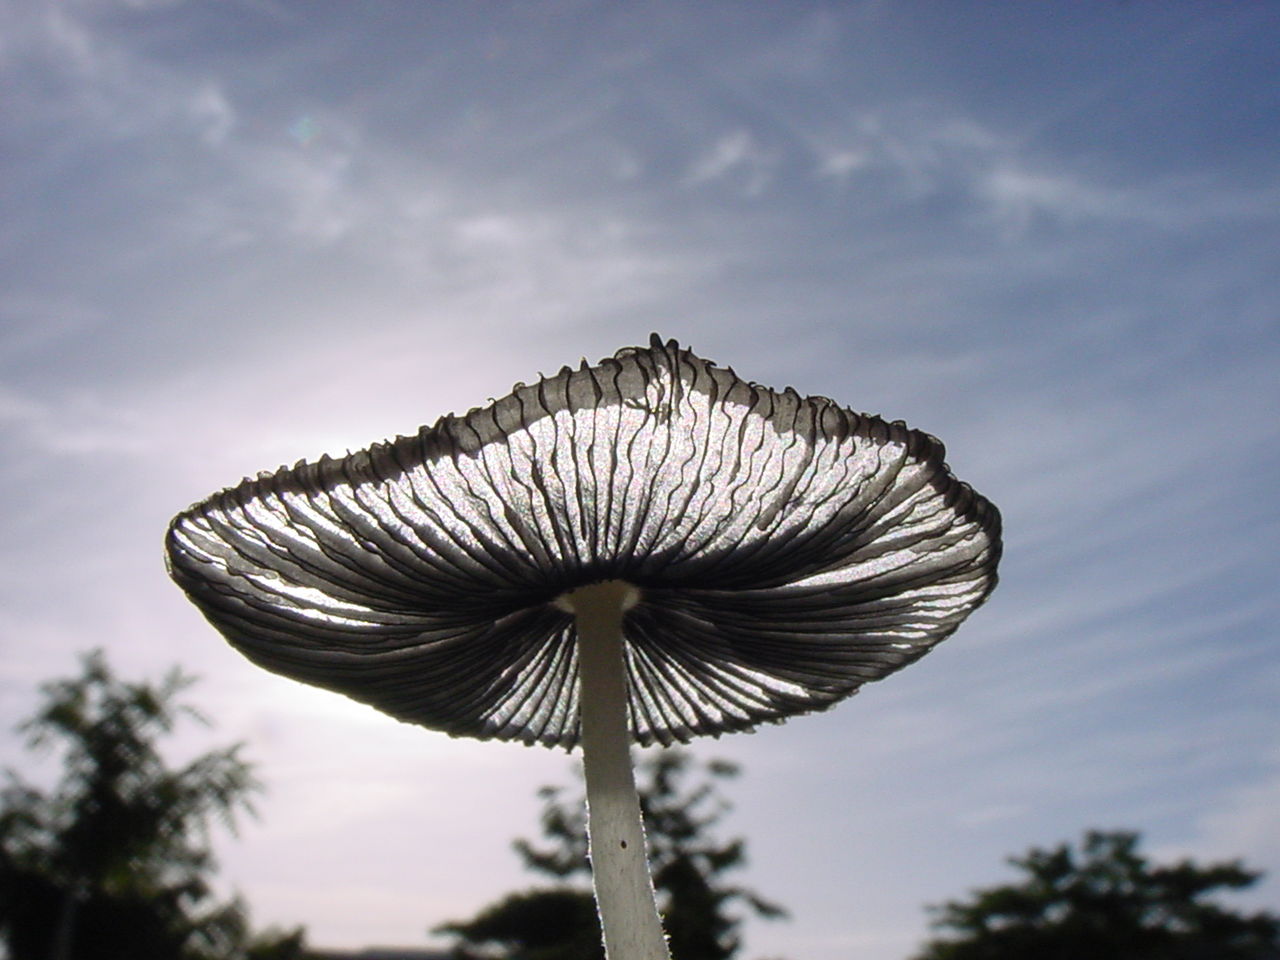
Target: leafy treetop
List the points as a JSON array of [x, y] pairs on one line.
[[1105, 902]]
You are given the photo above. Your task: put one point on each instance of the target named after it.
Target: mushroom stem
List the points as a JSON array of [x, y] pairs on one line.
[[615, 830]]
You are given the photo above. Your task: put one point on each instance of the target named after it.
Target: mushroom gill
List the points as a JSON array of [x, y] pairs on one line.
[[762, 554]]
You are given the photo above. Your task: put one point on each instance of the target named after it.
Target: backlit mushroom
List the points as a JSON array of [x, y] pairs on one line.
[[647, 549]]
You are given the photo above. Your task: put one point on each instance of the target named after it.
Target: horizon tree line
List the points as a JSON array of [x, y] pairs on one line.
[[114, 862]]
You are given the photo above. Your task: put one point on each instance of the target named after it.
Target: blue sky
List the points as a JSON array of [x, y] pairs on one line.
[[235, 235]]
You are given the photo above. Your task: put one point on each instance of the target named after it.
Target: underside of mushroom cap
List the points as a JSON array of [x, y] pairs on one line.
[[786, 551]]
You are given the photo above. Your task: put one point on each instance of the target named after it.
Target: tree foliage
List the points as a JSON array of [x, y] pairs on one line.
[[686, 860], [114, 861], [1106, 902]]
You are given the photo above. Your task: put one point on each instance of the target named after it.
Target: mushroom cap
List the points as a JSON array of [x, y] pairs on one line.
[[787, 551]]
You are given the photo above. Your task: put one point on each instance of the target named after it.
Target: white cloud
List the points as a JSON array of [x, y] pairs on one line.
[[78, 424], [1017, 195], [212, 114], [924, 147], [18, 410], [737, 155], [71, 41], [840, 164], [989, 814], [931, 149]]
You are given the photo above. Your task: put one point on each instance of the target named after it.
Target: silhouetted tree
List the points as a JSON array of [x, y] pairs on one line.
[[1106, 902], [560, 923], [114, 863]]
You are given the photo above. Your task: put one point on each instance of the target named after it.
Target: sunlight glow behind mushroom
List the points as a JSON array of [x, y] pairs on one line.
[[647, 549]]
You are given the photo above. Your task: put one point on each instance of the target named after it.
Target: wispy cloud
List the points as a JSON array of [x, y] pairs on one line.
[[735, 155]]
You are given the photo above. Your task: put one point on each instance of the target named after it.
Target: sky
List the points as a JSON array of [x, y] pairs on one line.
[[235, 235]]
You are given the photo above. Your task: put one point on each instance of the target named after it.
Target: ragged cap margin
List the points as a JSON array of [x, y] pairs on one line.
[[787, 550]]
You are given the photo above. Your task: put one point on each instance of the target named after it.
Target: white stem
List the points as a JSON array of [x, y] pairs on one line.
[[615, 831]]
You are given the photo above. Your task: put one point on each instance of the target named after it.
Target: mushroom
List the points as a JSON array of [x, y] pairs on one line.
[[649, 549]]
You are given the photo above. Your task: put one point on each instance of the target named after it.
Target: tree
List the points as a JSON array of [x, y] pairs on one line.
[[114, 862], [560, 923], [1106, 902]]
